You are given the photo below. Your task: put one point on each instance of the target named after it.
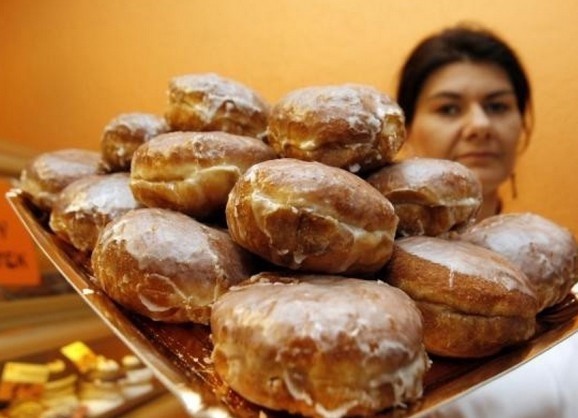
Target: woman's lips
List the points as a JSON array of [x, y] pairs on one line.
[[477, 157]]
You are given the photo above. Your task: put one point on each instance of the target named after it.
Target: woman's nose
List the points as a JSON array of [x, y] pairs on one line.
[[477, 123]]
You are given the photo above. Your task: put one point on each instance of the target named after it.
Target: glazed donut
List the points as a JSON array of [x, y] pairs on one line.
[[543, 250], [167, 266], [321, 346], [210, 102], [430, 196], [349, 126], [44, 177], [309, 216], [85, 206], [193, 172], [474, 302], [124, 134]]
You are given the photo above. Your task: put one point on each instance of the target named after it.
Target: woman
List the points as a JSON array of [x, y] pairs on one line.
[[467, 98]]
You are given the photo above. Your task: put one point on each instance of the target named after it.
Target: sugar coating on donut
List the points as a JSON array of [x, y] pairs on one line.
[[138, 124], [217, 90], [47, 174], [166, 265], [104, 194], [125, 133], [468, 259], [350, 126], [204, 102], [85, 206], [431, 196], [474, 302], [429, 181], [545, 251], [193, 172], [319, 345], [310, 216]]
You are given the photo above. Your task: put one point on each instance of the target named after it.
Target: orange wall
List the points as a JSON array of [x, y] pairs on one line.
[[68, 67]]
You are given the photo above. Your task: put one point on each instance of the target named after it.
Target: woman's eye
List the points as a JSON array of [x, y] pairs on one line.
[[448, 110], [496, 107]]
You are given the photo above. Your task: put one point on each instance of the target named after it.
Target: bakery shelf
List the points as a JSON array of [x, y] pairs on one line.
[[39, 309], [106, 345]]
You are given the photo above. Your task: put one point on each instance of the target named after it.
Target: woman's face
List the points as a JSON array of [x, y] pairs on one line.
[[467, 112]]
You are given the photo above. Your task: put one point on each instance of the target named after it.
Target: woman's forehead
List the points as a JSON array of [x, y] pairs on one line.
[[467, 78]]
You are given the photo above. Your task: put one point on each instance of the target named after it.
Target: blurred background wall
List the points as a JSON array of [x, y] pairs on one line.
[[69, 66]]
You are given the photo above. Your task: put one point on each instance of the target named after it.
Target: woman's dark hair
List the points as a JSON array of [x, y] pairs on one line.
[[462, 43]]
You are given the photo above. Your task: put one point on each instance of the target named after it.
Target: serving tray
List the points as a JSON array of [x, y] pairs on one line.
[[179, 354]]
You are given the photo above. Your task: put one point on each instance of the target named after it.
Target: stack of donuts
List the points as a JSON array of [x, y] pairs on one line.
[[330, 273]]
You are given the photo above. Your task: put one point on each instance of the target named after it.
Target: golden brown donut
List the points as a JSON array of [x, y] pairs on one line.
[[430, 196], [210, 102], [193, 172], [85, 206], [166, 265], [50, 172], [542, 249], [474, 302], [309, 216], [350, 126], [124, 134], [321, 346]]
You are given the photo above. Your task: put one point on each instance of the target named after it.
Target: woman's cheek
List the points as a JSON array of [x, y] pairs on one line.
[[430, 139]]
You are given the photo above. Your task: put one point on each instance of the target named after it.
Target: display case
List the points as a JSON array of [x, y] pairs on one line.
[[38, 321], [34, 330], [40, 314]]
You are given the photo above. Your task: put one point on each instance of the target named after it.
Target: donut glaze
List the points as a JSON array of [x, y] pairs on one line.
[[210, 102], [320, 346], [193, 172], [85, 206], [354, 127], [166, 265], [46, 175], [124, 134], [474, 302], [542, 249], [430, 196], [309, 216]]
